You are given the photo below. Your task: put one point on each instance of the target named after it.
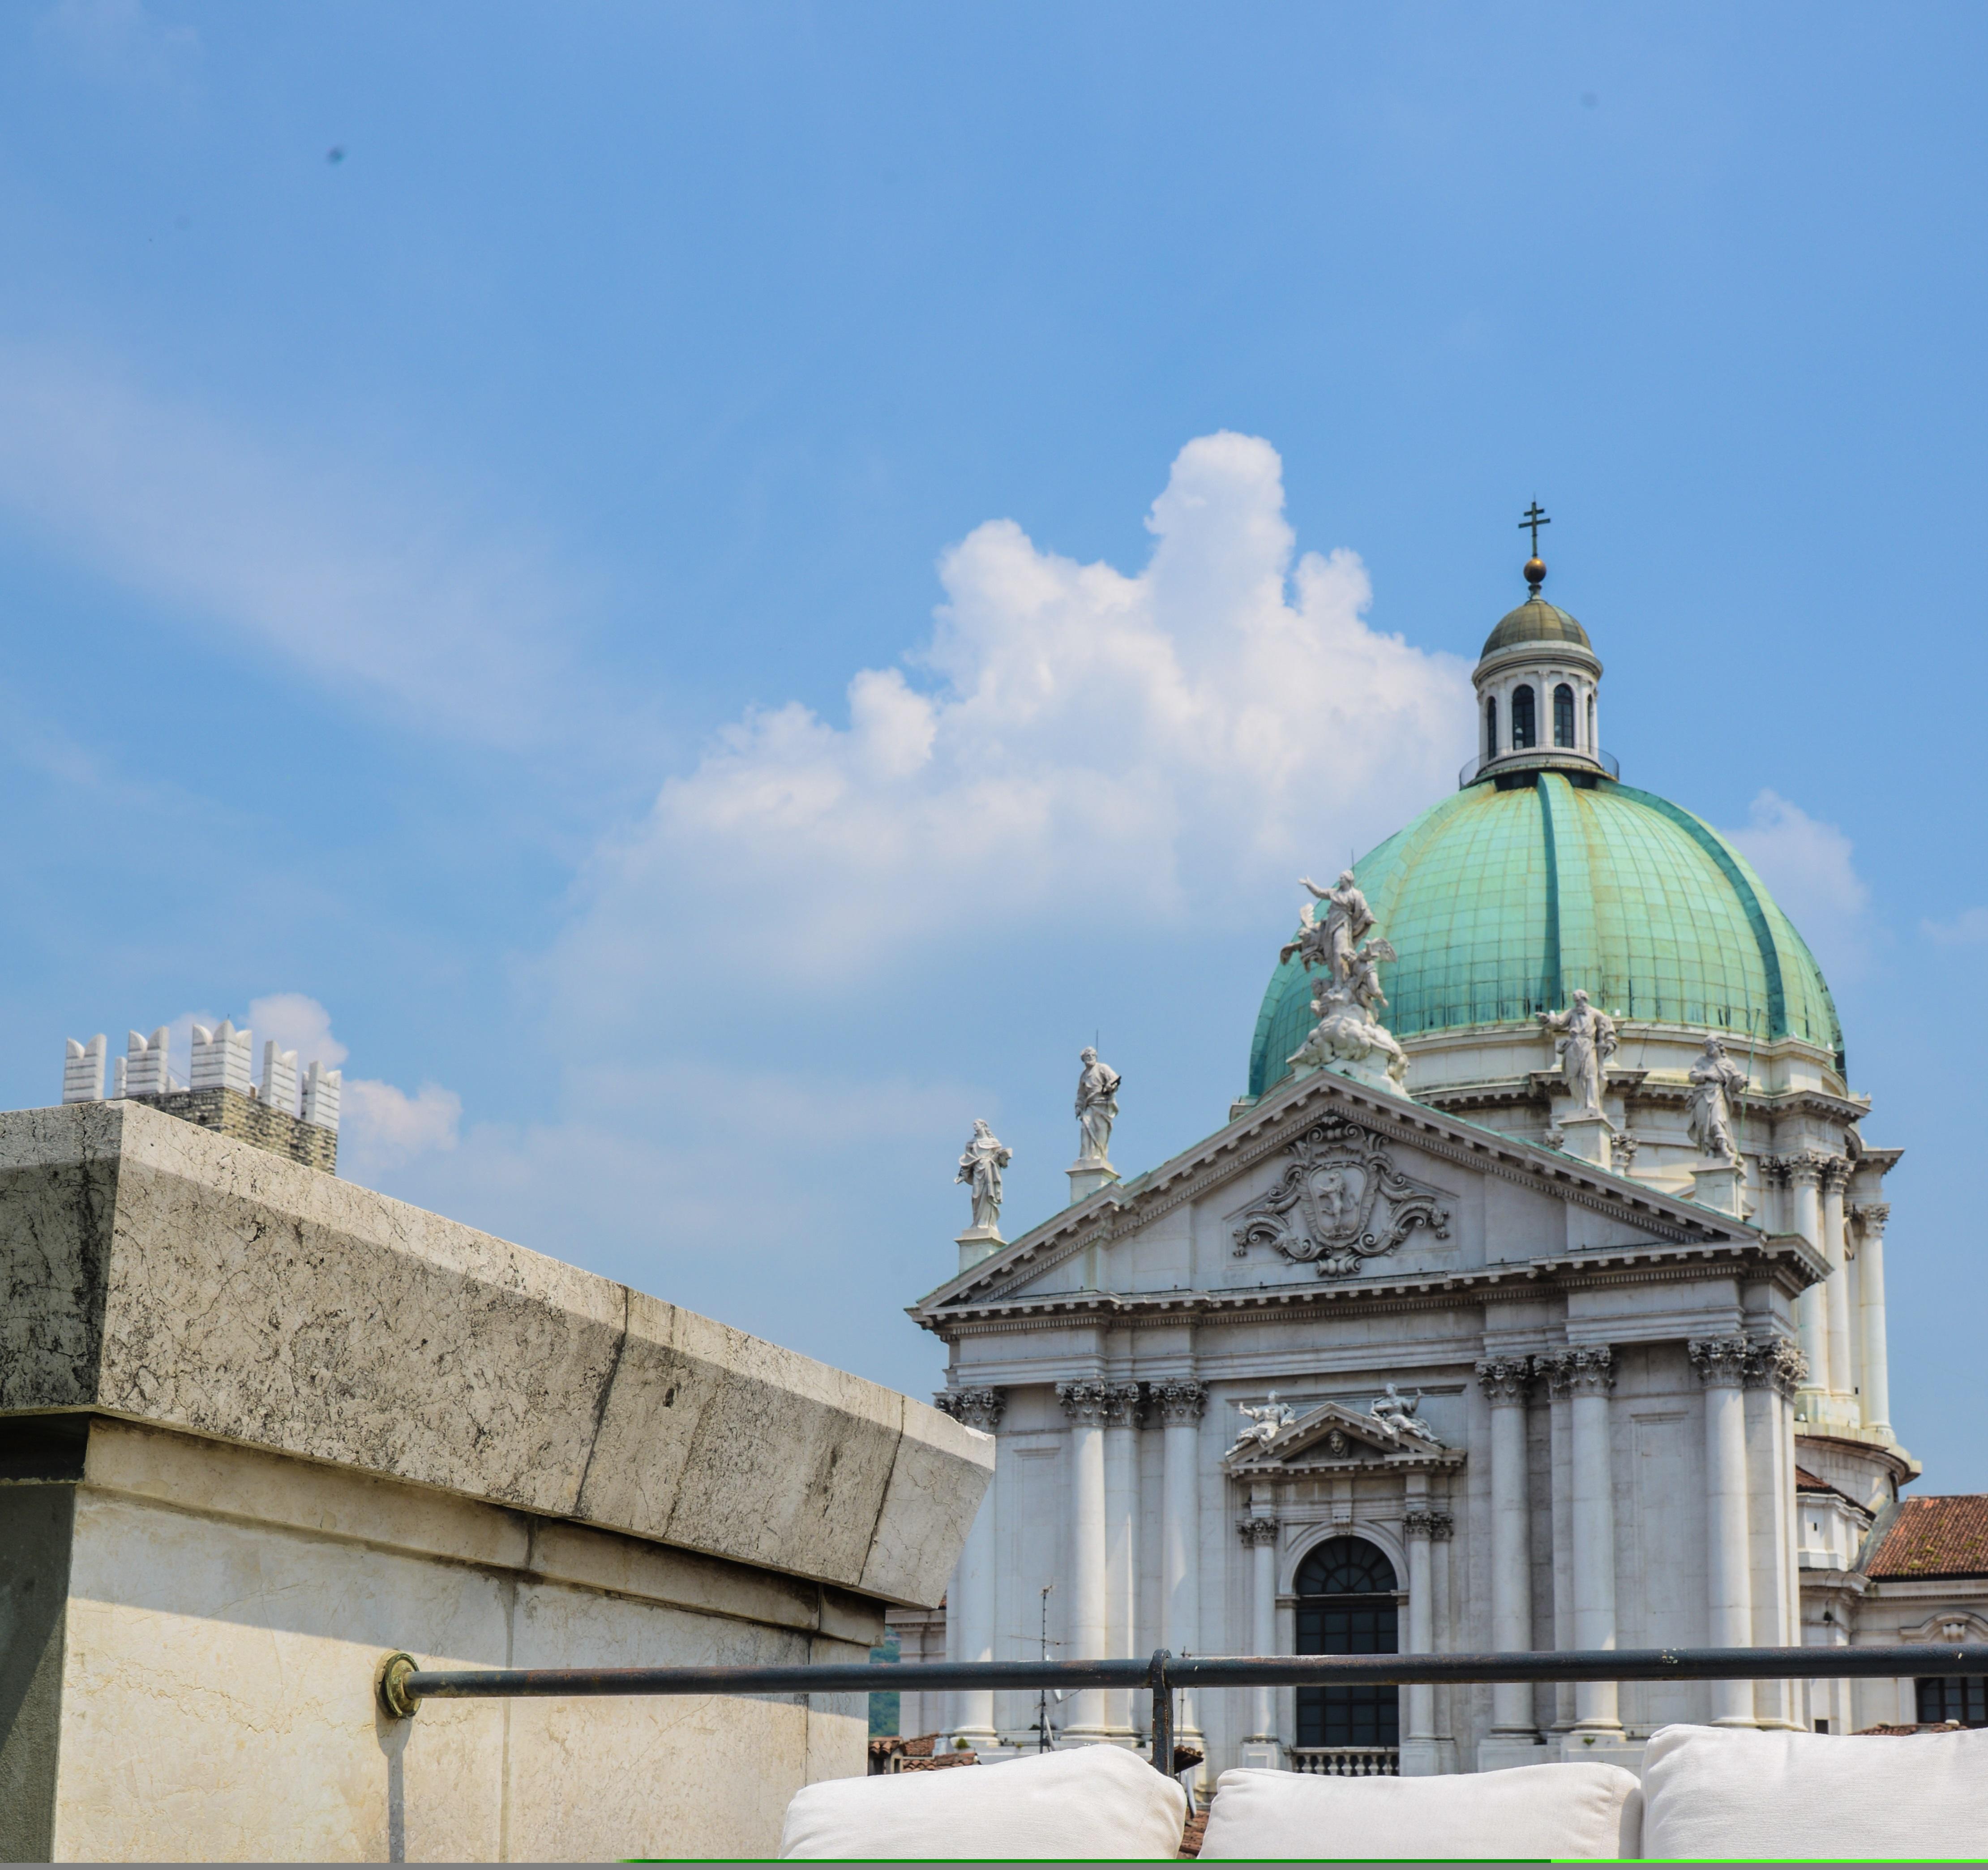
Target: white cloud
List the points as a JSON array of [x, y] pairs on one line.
[[366, 581], [1808, 866], [381, 1127], [1079, 746], [297, 1023], [1970, 926]]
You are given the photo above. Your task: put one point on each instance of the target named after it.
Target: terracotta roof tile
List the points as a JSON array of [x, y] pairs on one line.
[[1944, 1535]]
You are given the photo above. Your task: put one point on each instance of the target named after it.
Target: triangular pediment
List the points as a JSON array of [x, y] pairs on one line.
[[1365, 1183], [1333, 1437]]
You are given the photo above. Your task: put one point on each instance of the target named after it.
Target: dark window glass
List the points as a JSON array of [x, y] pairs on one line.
[[1961, 1698], [1522, 732], [1346, 1607], [1563, 716], [1491, 729]]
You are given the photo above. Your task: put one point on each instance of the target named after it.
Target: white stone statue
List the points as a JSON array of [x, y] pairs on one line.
[[1716, 1080], [1329, 943], [1096, 1108], [1586, 1043], [1396, 1413], [980, 1167], [1349, 1036], [1267, 1420]]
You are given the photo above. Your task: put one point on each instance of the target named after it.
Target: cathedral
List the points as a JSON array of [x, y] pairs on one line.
[[1532, 1297]]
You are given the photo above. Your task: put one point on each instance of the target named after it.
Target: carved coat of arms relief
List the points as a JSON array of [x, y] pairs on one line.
[[1339, 1202]]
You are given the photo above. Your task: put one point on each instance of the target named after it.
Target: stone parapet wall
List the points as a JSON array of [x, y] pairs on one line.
[[259, 1427]]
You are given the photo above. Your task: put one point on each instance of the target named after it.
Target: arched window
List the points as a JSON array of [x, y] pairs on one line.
[[1590, 723], [1491, 727], [1523, 732], [1563, 716], [1346, 1607]]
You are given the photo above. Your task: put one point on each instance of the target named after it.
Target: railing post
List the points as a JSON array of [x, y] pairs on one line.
[[1163, 1712]]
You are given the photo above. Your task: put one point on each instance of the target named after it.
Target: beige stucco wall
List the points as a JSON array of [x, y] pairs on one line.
[[227, 1612]]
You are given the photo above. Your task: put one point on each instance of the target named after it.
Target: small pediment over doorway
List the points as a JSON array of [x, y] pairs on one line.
[[1334, 1438]]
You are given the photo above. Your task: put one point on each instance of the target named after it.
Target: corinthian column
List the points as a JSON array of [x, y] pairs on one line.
[[1180, 1401], [1591, 1376], [1084, 1401], [1121, 1502], [1871, 1216], [970, 1605], [1721, 1364], [1803, 1176], [1842, 1357], [1773, 1371], [1505, 1381], [1260, 1534], [1418, 1528]]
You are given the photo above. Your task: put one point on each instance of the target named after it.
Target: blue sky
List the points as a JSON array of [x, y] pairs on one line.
[[705, 593]]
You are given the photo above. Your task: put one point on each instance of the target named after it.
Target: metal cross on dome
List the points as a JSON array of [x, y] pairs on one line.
[[1535, 517]]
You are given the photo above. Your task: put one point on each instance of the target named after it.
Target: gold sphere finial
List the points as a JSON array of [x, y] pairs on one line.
[[1535, 574]]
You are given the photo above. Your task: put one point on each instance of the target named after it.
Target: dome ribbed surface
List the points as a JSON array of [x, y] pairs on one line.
[[1500, 903], [1536, 621]]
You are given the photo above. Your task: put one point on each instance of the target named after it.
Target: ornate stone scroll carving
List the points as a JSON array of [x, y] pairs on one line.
[[1504, 1379], [978, 1409], [1555, 1368], [1084, 1399], [1591, 1367], [1123, 1403], [1258, 1530], [1719, 1359], [1775, 1362], [1419, 1522], [1179, 1399], [1340, 1201]]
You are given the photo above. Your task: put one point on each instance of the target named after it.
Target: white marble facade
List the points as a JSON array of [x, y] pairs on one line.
[[1608, 1373], [1633, 1310]]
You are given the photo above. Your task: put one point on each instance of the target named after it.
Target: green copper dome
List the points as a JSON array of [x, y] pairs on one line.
[[1501, 903], [1535, 621]]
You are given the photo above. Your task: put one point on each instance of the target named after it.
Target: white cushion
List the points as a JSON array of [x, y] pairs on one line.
[[1581, 1809], [1084, 1802], [1737, 1792]]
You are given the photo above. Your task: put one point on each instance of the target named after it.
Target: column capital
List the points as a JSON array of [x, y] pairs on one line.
[[1556, 1369], [1505, 1380], [1425, 1522], [1805, 1167], [1179, 1399], [1083, 1400], [977, 1408], [1719, 1361], [1259, 1530], [1124, 1403], [1775, 1362], [1835, 1172], [1870, 1216], [1591, 1369]]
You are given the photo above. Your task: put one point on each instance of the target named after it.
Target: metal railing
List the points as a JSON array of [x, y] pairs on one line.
[[403, 1684]]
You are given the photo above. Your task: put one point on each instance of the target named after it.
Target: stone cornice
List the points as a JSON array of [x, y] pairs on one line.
[[1267, 1127], [1788, 1260]]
